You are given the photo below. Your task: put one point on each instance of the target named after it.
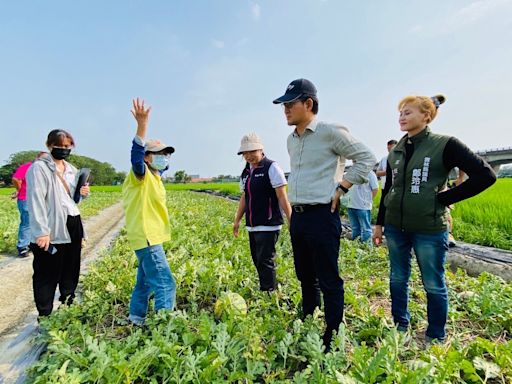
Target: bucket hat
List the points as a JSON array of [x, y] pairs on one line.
[[250, 142]]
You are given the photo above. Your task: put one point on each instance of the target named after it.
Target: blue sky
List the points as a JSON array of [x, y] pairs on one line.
[[210, 70]]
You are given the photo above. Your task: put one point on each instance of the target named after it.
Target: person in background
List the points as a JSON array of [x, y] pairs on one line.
[[56, 230], [359, 208], [147, 219], [19, 182], [263, 187], [317, 159], [413, 208], [381, 168]]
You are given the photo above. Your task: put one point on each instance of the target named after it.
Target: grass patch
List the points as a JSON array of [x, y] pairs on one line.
[[486, 219], [224, 188]]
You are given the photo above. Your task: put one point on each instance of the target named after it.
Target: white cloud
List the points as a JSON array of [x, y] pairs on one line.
[[478, 11], [218, 43], [255, 11], [474, 12]]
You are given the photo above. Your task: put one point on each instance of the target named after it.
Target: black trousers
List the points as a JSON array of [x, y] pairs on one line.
[[61, 268], [315, 235], [263, 252]]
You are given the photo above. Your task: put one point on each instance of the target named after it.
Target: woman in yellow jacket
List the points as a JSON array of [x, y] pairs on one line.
[[147, 219]]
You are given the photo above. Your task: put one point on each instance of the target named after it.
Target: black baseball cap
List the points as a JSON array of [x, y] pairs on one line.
[[296, 90]]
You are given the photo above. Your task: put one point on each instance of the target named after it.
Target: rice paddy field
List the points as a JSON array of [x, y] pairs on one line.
[[486, 218], [232, 189]]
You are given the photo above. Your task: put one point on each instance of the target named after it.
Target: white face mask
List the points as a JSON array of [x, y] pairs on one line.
[[160, 162]]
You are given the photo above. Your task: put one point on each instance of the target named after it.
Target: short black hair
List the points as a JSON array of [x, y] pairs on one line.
[[314, 109], [392, 141]]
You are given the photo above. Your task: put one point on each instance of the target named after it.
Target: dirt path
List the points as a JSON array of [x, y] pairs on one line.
[[17, 309]]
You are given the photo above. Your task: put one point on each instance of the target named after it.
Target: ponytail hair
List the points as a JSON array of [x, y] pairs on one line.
[[424, 103], [438, 100]]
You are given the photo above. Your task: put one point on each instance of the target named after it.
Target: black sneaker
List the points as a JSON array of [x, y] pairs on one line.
[[23, 252]]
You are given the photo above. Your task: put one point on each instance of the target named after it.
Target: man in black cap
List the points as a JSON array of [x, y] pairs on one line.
[[317, 158]]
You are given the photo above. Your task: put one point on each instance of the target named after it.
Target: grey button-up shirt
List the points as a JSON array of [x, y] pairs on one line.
[[317, 162]]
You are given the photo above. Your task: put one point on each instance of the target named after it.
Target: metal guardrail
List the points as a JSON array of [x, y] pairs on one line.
[[493, 151]]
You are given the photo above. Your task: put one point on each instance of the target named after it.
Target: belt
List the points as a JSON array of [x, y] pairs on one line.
[[300, 208]]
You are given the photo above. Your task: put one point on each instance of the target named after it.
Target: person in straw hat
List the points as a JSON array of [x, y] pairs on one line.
[[147, 219], [263, 187]]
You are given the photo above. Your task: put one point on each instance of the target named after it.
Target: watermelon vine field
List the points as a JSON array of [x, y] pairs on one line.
[[267, 342], [485, 219]]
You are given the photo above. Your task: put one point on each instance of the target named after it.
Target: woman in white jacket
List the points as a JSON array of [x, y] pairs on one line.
[[55, 224]]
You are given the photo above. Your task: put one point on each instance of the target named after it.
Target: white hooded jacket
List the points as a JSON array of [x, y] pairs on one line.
[[47, 214]]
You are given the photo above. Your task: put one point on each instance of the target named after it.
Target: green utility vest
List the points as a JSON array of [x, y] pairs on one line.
[[411, 203]]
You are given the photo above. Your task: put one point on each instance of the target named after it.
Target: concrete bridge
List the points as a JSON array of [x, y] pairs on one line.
[[497, 157]]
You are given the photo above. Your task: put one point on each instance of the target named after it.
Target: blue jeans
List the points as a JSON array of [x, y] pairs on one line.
[[361, 223], [153, 275], [430, 250], [24, 228]]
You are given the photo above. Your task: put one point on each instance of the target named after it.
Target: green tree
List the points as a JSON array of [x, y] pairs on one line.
[[15, 160], [120, 176], [181, 177], [224, 178], [102, 173]]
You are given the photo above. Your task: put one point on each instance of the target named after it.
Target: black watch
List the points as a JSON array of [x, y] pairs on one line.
[[345, 190]]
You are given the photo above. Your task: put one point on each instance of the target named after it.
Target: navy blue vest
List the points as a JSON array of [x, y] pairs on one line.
[[261, 204]]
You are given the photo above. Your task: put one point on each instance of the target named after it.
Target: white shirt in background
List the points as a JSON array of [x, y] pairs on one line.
[[360, 195]]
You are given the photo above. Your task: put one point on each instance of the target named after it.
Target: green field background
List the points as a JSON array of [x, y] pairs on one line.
[[485, 219]]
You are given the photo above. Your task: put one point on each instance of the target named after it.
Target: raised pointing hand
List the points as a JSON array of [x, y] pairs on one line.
[[140, 113]]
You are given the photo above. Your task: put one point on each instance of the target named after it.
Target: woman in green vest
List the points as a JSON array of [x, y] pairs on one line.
[[413, 208]]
